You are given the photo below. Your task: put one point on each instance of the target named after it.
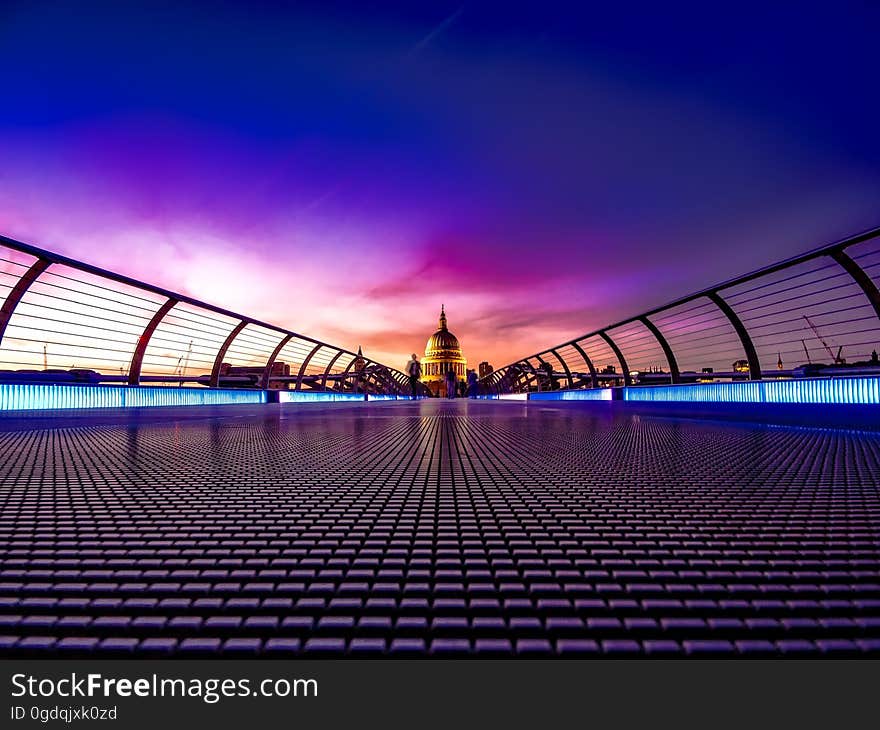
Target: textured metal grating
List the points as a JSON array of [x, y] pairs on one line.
[[434, 528]]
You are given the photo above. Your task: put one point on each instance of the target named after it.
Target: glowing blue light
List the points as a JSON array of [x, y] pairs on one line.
[[592, 394], [35, 396], [856, 390], [293, 396]]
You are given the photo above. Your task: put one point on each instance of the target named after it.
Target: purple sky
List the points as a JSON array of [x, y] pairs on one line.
[[343, 172]]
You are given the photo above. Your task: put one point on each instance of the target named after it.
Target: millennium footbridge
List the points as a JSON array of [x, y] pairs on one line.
[[700, 479]]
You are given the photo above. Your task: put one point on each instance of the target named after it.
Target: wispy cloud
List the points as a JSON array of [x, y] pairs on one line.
[[436, 31]]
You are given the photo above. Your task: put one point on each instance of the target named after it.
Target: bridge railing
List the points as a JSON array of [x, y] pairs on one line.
[[816, 314], [62, 320]]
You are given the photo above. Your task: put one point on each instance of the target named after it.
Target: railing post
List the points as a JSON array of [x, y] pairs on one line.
[[137, 359], [539, 370], [564, 367], [593, 377], [675, 375], [861, 278], [328, 369], [343, 382], [492, 380], [389, 379], [370, 376], [619, 355], [264, 380], [382, 377], [495, 382], [221, 353], [529, 374], [742, 333], [18, 291], [514, 374], [302, 368]]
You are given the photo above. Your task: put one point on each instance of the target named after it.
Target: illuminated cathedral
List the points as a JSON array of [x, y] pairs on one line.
[[442, 354]]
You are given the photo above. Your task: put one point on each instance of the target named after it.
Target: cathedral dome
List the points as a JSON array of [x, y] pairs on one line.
[[442, 355], [442, 341]]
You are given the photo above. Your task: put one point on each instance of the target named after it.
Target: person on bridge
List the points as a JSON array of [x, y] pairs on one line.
[[414, 371], [472, 388], [451, 383]]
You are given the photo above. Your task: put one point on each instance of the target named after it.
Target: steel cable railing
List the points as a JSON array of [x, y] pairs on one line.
[[816, 314], [64, 321]]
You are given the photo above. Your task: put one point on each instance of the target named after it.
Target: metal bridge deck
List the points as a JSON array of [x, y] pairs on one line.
[[434, 528]]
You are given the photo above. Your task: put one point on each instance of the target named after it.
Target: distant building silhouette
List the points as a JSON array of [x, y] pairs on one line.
[[357, 370], [359, 363], [255, 373], [485, 369]]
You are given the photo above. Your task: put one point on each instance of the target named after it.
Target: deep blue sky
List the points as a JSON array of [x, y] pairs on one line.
[[543, 168]]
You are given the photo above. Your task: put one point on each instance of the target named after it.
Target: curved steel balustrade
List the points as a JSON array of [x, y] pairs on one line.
[[65, 321], [816, 314]]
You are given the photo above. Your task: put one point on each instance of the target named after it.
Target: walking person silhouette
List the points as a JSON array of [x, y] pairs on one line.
[[451, 383], [414, 371], [472, 384]]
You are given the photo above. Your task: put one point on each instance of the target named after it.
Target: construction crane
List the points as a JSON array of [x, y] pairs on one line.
[[184, 358], [189, 350], [807, 352], [836, 359]]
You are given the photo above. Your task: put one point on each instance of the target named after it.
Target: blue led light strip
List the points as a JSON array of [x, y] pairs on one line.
[[592, 394], [20, 396], [294, 396], [860, 390]]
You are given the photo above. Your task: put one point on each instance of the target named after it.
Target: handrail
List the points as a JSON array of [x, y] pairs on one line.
[[847, 320], [114, 331]]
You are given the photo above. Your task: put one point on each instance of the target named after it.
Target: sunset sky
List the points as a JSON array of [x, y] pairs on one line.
[[342, 172]]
